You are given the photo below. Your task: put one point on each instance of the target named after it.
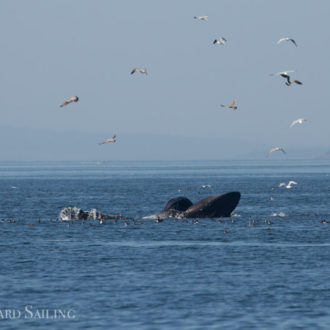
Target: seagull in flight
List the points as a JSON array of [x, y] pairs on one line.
[[287, 39], [232, 105], [220, 41], [112, 139], [204, 186], [289, 185], [139, 70], [275, 149], [201, 18], [70, 100], [285, 74], [298, 121]]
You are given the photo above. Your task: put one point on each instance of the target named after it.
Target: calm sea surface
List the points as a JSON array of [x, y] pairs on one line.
[[241, 273]]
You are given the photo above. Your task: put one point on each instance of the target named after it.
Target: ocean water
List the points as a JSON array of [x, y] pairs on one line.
[[266, 267]]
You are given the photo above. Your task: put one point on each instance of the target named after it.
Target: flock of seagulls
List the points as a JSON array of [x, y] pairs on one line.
[[233, 105], [76, 99], [289, 82], [283, 74]]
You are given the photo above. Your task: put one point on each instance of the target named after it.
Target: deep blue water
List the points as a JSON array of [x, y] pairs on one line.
[[168, 275]]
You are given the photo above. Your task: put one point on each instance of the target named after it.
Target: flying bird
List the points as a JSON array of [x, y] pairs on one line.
[[70, 100], [139, 70], [220, 41], [232, 105], [201, 18], [298, 121], [287, 39], [285, 74], [275, 149], [112, 139], [289, 185]]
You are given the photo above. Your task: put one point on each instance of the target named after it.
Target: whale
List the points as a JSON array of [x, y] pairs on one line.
[[221, 205]]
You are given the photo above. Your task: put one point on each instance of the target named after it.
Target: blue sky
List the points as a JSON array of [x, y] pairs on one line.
[[52, 50]]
